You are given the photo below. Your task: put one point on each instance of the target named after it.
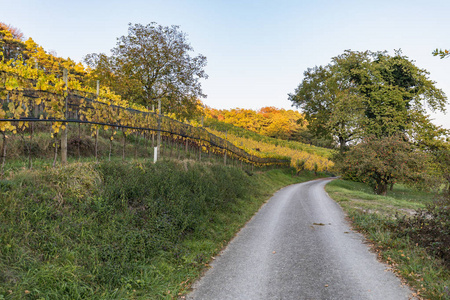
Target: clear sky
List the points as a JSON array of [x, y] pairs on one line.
[[257, 50]]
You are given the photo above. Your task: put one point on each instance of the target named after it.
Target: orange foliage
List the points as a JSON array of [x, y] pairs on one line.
[[269, 121]]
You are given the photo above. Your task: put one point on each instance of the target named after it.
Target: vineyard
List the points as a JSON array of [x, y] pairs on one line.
[[301, 159], [29, 95]]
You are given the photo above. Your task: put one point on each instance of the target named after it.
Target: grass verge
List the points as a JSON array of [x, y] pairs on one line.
[[378, 218], [117, 230]]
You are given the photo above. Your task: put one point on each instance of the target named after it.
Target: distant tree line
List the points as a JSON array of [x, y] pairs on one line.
[[269, 121]]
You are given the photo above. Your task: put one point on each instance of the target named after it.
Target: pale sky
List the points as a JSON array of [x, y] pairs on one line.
[[257, 51]]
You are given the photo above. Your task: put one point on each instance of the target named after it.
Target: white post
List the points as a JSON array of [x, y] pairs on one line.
[[155, 154]]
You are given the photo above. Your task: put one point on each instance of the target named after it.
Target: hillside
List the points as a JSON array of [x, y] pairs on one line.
[[302, 156], [119, 230]]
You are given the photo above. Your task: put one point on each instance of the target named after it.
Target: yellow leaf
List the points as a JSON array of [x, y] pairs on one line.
[[19, 111]]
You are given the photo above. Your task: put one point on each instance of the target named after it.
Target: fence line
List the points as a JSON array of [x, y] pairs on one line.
[[81, 107]]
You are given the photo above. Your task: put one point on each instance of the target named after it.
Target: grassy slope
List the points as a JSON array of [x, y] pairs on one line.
[[374, 215], [122, 230]]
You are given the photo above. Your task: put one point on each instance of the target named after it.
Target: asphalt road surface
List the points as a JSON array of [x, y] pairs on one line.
[[299, 246]]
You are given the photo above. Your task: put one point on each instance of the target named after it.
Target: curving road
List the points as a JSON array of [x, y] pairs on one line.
[[299, 246]]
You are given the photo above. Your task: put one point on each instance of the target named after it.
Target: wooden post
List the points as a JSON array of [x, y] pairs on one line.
[[170, 141], [64, 131], [79, 141], [110, 148], [124, 143], [3, 153], [159, 128], [96, 130], [225, 156]]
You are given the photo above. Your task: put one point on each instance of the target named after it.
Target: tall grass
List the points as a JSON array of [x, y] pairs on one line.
[[119, 230]]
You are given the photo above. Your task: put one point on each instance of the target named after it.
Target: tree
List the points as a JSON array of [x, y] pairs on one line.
[[153, 62], [269, 121], [13, 47], [51, 63], [11, 42], [331, 104], [380, 162], [442, 159], [366, 93], [435, 140]]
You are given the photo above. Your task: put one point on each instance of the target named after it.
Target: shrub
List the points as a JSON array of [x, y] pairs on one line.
[[430, 228], [381, 161]]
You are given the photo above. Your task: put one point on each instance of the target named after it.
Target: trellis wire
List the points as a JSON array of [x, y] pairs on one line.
[[77, 114]]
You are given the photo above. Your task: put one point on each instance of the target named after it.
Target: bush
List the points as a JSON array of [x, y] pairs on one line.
[[380, 162], [429, 228]]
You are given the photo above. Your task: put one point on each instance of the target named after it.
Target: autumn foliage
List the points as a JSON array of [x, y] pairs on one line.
[[14, 47], [269, 121], [310, 160]]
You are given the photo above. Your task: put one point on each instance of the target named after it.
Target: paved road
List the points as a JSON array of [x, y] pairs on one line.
[[298, 246]]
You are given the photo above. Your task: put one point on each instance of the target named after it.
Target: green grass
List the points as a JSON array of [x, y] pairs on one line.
[[376, 216], [122, 230], [401, 200]]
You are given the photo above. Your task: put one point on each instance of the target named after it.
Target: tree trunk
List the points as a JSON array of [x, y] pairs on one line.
[[56, 151], [341, 144], [381, 188], [391, 188], [110, 149]]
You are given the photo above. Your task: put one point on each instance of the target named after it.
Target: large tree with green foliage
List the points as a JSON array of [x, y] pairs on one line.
[[330, 103], [153, 62], [366, 93]]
